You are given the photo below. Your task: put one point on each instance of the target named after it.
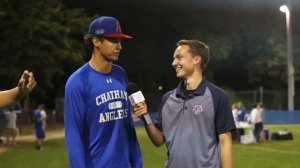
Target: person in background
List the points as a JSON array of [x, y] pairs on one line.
[[234, 109], [25, 85], [240, 119], [99, 128], [40, 118], [241, 112], [12, 129], [194, 120], [256, 118]]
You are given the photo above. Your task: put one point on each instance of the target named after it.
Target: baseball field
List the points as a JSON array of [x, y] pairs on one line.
[[269, 154]]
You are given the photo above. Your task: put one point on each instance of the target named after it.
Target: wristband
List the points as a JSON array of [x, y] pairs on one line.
[[147, 119]]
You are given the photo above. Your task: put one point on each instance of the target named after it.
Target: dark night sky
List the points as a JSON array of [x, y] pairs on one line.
[[157, 25]]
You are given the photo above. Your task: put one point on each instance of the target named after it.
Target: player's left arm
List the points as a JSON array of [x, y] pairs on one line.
[[226, 149], [135, 152]]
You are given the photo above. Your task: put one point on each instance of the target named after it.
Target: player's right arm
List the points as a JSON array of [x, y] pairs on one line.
[[74, 109]]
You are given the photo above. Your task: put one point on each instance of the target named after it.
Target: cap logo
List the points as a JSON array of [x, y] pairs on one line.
[[99, 31], [118, 27]]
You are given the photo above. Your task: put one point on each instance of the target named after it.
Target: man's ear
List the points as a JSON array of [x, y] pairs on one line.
[[96, 41], [197, 59]]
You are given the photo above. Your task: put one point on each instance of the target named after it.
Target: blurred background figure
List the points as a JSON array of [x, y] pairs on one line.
[[240, 118], [241, 112], [256, 118], [40, 118], [234, 108], [3, 124], [12, 129]]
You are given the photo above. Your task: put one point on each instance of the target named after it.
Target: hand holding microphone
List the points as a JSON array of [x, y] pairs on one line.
[[137, 100]]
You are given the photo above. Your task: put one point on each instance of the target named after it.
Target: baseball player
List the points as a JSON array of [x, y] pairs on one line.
[[99, 129]]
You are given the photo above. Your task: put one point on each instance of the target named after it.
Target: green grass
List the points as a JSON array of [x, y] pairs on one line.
[[270, 154]]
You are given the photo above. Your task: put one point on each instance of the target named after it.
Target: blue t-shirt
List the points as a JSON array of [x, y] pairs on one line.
[[241, 113], [99, 129], [37, 115]]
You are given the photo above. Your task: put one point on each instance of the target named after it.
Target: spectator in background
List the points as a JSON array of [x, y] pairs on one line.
[[12, 129], [234, 109], [241, 113], [40, 117], [3, 124], [256, 118]]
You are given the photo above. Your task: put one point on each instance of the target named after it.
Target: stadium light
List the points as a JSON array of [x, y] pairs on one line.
[[290, 68], [284, 9]]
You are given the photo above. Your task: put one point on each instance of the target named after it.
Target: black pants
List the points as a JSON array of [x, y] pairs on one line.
[[258, 128]]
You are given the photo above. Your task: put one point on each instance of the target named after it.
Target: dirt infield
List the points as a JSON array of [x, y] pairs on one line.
[[54, 131]]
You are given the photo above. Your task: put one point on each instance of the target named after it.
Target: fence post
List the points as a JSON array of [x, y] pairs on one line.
[[261, 94], [254, 96]]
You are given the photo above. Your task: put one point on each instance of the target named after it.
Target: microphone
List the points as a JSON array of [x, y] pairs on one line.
[[135, 97]]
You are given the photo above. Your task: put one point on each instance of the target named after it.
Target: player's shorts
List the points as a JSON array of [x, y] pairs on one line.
[[40, 133]]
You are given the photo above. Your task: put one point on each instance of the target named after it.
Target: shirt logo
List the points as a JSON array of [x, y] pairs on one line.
[[108, 81], [115, 105], [198, 109]]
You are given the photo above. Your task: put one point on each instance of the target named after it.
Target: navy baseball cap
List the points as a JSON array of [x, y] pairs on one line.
[[41, 106], [108, 27]]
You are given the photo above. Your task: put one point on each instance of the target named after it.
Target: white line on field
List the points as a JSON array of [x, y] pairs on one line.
[[276, 150]]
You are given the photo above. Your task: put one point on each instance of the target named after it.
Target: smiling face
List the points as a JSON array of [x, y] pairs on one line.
[[184, 62]]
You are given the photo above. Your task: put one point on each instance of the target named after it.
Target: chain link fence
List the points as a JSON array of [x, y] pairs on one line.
[[272, 99]]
